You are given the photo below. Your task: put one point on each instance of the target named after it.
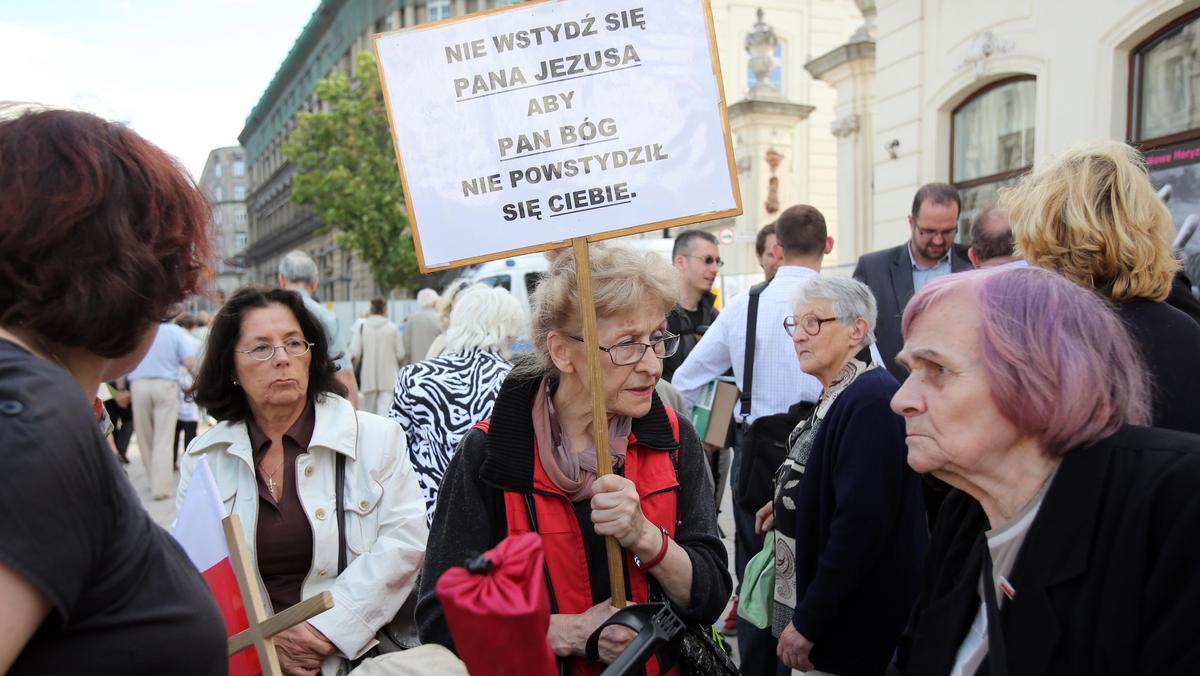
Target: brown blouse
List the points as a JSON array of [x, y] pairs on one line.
[[284, 538]]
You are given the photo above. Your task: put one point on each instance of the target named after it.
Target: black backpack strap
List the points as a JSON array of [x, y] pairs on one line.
[[751, 335], [340, 493]]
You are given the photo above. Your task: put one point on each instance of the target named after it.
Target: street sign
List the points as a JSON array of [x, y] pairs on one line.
[[521, 128]]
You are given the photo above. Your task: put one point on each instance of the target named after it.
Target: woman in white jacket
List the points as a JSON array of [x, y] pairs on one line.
[[284, 429]]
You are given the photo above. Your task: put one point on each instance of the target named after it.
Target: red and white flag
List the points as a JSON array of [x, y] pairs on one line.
[[198, 530]]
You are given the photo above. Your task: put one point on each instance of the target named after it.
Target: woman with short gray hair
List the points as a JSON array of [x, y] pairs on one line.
[[848, 511]]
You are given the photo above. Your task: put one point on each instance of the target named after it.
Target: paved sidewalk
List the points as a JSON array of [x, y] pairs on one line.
[[162, 511]]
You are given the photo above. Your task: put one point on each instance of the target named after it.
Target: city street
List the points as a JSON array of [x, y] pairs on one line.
[[162, 511]]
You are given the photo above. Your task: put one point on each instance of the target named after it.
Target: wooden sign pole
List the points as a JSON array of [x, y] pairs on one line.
[[587, 309], [263, 626]]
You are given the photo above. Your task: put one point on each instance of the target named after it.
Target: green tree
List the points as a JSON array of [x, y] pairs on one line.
[[347, 173]]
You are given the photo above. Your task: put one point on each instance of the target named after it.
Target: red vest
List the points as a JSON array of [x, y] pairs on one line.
[[651, 471]]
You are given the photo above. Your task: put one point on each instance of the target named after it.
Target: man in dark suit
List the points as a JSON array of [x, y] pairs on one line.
[[895, 274]]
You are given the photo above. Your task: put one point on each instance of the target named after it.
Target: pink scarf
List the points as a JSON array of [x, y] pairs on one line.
[[573, 473]]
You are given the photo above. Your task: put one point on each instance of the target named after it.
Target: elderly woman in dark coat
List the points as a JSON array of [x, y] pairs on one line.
[[1068, 547], [848, 511]]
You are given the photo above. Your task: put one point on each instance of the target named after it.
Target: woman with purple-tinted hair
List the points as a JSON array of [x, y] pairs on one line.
[[1067, 547]]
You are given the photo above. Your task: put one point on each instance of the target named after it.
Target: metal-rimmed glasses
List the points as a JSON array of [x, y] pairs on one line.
[[625, 354], [293, 347], [809, 322]]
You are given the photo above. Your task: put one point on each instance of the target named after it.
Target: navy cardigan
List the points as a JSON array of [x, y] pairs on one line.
[[860, 532]]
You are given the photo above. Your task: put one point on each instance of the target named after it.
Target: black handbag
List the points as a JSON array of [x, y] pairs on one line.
[[704, 651], [697, 650], [764, 442]]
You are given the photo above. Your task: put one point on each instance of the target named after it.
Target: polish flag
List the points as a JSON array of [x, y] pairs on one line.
[[198, 530]]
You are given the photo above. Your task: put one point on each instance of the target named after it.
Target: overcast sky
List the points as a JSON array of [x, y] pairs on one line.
[[183, 73]]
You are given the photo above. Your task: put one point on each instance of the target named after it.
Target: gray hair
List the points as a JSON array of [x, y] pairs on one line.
[[298, 268], [427, 297], [623, 279], [484, 318], [850, 298]]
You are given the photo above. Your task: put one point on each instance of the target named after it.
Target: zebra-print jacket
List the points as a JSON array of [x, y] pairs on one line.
[[436, 401]]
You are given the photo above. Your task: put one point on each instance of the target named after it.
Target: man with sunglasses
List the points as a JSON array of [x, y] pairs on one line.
[[697, 258], [895, 274]]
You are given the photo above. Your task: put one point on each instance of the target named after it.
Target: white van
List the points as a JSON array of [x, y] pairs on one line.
[[521, 274]]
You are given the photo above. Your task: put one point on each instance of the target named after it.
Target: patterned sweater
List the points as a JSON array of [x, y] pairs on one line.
[[436, 401]]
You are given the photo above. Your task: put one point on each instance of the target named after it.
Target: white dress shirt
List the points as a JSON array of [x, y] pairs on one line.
[[778, 381]]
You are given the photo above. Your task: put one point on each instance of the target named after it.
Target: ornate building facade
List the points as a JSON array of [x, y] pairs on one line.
[[976, 93], [333, 37]]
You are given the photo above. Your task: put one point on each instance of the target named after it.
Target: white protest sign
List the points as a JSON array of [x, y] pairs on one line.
[[520, 128]]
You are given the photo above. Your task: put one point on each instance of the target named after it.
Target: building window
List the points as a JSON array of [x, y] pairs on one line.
[[992, 136], [239, 168], [438, 9], [239, 217], [239, 241], [1165, 119], [218, 194], [239, 192], [216, 216], [217, 169]]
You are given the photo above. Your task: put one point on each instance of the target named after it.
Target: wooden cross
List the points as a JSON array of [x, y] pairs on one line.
[[263, 626]]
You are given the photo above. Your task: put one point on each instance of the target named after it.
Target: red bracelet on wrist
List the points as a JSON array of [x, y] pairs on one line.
[[662, 553]]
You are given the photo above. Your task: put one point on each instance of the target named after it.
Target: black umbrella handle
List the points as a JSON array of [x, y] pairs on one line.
[[656, 625]]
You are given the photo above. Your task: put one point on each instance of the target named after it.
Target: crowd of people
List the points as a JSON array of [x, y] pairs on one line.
[[987, 461]]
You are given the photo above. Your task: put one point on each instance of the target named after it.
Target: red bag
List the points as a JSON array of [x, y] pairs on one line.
[[498, 610]]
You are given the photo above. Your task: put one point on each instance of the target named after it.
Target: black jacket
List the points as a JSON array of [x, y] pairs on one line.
[[1181, 297], [679, 323], [470, 516], [1106, 582], [889, 274], [1169, 342], [860, 532]]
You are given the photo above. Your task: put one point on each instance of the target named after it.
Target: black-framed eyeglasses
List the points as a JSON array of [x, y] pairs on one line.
[[948, 235], [810, 323], [708, 260], [294, 347], [625, 354]]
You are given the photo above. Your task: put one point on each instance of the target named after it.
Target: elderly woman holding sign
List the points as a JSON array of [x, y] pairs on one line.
[[532, 466], [1069, 546]]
